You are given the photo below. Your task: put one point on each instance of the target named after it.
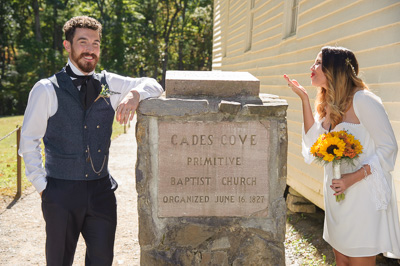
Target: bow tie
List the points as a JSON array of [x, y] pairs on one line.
[[90, 87]]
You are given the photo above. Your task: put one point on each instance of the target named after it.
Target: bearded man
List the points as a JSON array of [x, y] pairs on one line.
[[73, 112]]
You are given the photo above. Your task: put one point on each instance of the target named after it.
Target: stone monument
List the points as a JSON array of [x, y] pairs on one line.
[[211, 172]]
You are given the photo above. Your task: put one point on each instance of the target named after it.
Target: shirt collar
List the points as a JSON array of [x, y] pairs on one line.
[[76, 70]]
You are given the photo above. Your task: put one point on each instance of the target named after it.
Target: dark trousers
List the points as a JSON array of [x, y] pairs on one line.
[[73, 207]]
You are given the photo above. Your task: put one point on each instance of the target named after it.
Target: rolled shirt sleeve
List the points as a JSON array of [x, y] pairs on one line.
[[146, 87]]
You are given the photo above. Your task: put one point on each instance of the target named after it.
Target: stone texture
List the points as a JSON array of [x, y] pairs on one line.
[[259, 251], [221, 84], [155, 258], [173, 107], [255, 239], [193, 235], [146, 233], [206, 258], [229, 107], [221, 243], [219, 258], [294, 192], [267, 109], [299, 204]]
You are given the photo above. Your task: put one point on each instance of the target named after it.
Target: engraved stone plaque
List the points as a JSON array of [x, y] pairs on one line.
[[213, 169]]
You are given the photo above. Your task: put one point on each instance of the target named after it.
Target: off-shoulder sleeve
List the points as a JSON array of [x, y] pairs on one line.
[[310, 138], [372, 115]]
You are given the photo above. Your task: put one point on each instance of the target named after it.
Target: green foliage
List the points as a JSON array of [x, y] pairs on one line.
[[140, 38], [8, 157], [8, 154]]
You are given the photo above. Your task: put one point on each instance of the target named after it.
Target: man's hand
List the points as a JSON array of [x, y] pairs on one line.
[[126, 109]]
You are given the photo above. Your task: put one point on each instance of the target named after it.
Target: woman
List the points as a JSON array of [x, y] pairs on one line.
[[366, 222]]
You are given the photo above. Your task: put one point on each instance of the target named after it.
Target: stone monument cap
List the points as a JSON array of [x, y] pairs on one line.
[[211, 84]]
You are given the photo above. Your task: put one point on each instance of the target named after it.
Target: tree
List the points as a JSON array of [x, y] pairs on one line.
[[195, 36], [140, 38]]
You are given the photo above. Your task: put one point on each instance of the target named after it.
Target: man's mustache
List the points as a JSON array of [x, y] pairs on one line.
[[88, 54]]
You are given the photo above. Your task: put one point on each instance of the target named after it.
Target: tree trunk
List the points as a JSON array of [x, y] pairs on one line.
[[38, 34], [181, 37], [168, 26], [2, 64], [164, 66]]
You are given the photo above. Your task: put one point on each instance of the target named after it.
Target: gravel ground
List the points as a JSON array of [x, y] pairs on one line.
[[304, 244], [22, 236]]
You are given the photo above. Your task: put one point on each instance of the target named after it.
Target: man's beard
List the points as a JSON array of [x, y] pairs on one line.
[[84, 65]]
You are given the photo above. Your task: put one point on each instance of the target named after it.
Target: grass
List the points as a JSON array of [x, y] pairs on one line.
[[8, 155]]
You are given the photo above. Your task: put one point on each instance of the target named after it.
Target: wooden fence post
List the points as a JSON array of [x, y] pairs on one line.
[[129, 126], [19, 178]]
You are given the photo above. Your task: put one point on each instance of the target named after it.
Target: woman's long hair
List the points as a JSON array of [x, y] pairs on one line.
[[340, 67]]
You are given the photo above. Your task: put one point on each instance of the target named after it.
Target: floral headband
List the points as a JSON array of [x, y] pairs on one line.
[[348, 63]]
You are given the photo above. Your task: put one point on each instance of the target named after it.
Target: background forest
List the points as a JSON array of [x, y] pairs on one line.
[[140, 38]]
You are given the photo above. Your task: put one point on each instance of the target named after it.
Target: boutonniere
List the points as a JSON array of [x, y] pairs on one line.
[[106, 93]]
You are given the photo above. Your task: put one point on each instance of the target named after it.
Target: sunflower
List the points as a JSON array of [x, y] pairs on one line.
[[315, 148], [357, 146], [336, 145], [331, 148]]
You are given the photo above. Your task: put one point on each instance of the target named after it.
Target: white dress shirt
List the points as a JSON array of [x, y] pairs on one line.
[[43, 104]]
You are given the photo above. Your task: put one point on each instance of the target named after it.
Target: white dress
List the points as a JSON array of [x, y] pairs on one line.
[[366, 222]]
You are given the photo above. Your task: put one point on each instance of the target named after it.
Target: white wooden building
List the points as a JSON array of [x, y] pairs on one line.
[[269, 38]]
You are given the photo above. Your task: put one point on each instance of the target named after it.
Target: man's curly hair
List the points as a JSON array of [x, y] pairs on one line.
[[80, 22]]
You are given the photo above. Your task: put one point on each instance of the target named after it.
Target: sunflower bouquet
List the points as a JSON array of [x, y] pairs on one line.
[[335, 147]]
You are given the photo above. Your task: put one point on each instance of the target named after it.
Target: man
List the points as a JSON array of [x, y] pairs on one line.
[[73, 112]]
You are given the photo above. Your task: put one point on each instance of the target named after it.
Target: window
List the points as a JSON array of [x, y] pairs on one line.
[[226, 29], [290, 17], [250, 21]]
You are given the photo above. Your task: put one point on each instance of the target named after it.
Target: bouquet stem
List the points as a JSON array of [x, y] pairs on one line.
[[337, 175]]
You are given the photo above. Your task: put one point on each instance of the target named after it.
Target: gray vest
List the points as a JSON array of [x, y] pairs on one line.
[[77, 141]]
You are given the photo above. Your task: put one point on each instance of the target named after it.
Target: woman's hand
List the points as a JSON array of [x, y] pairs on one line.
[[296, 87], [340, 185], [347, 180], [308, 117]]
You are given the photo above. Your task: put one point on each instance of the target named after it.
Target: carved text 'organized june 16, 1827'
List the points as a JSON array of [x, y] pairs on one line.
[[212, 169]]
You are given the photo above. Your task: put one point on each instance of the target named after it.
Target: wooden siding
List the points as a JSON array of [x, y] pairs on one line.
[[370, 28]]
